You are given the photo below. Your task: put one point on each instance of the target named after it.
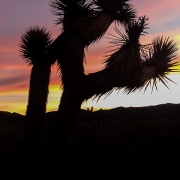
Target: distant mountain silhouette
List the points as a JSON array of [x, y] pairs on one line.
[[158, 111]]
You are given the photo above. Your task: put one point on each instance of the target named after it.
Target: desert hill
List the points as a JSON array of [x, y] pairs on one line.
[[158, 111], [130, 142]]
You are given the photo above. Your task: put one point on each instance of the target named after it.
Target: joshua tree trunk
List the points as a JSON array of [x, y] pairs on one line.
[[68, 113], [35, 114], [73, 95]]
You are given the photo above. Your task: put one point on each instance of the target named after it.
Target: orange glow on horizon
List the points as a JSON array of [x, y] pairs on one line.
[[15, 100]]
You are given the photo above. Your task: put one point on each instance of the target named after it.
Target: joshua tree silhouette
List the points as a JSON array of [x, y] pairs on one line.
[[131, 67], [34, 43]]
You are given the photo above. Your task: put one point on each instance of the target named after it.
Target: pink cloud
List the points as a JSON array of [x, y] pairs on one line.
[[158, 11]]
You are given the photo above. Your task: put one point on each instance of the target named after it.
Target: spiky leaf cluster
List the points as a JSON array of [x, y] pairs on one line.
[[119, 10], [135, 29], [71, 14], [90, 19], [139, 66], [157, 64], [126, 59], [34, 43]]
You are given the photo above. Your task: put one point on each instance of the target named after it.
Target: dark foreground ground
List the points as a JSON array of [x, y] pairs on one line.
[[116, 149]]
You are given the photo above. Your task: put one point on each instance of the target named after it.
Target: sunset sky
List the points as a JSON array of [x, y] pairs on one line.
[[18, 15]]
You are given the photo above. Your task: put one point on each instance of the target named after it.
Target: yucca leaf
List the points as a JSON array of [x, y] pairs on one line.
[[157, 64], [127, 58], [119, 10], [71, 14], [34, 43]]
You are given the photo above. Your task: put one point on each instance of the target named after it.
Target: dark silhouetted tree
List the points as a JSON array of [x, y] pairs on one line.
[[132, 66], [33, 47], [83, 22]]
